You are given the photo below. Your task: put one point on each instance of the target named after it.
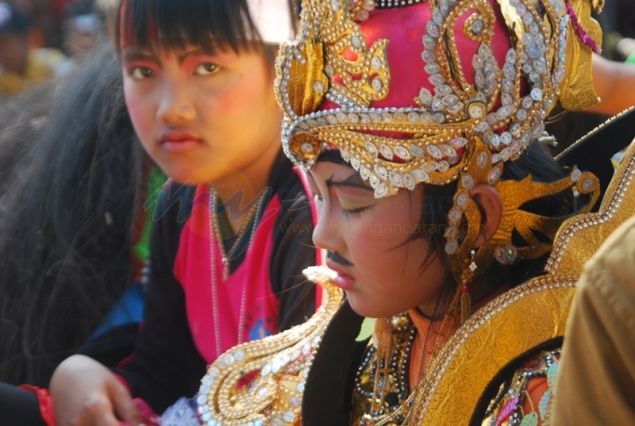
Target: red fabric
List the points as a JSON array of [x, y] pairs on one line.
[[58, 8], [45, 402], [192, 267], [47, 410], [404, 28]]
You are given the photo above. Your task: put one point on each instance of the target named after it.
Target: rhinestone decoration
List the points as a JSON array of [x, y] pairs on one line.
[[286, 356], [387, 4], [446, 118]]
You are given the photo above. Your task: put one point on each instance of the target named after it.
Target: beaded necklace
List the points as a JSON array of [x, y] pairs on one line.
[[228, 256], [252, 216], [388, 399], [377, 395]]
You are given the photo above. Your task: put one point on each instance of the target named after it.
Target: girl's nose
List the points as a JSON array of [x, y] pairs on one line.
[[176, 108], [327, 233]]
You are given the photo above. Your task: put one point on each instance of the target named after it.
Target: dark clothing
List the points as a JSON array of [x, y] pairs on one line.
[[176, 341]]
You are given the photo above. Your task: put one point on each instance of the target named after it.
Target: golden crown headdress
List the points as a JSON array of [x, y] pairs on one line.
[[484, 77]]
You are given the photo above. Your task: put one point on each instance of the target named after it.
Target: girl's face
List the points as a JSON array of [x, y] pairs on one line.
[[382, 271], [203, 117]]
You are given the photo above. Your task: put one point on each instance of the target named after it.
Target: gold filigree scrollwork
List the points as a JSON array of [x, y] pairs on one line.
[[358, 73], [261, 382], [481, 19]]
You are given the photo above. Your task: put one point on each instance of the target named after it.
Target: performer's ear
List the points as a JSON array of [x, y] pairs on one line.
[[491, 206]]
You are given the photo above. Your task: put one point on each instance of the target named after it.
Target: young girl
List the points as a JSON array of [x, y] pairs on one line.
[[417, 122], [232, 231]]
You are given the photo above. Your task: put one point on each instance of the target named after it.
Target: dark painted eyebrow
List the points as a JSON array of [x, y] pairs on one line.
[[148, 55], [354, 180], [197, 51], [130, 55]]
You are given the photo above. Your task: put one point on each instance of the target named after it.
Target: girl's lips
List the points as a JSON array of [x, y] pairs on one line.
[[345, 282], [178, 146], [178, 141], [342, 280]]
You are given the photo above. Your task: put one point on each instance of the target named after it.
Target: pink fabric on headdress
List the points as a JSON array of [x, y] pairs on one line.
[[404, 28]]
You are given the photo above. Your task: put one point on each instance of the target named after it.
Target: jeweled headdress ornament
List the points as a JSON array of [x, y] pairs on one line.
[[439, 91]]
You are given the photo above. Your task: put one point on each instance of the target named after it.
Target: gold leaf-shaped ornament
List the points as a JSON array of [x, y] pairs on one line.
[[306, 82]]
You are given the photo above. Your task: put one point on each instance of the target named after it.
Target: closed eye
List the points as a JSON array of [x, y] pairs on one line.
[[353, 204], [356, 210]]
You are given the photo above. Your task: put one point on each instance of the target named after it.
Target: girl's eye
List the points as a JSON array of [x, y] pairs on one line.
[[141, 73], [354, 205], [206, 68], [355, 210]]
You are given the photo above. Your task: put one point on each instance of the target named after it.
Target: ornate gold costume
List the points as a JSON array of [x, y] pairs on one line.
[[479, 107], [505, 328]]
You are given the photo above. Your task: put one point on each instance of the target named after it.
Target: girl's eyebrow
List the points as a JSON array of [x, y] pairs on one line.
[[193, 52], [354, 180], [134, 54]]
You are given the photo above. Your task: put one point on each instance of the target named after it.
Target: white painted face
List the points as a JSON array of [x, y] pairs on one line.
[[380, 267]]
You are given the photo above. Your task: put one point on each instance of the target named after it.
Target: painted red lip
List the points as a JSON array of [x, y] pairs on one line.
[[343, 280], [178, 141], [178, 137]]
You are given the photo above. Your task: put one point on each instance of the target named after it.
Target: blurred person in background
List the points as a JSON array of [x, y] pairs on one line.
[[82, 27], [21, 66]]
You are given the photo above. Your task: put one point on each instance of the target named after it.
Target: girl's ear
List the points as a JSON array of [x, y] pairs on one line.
[[491, 206]]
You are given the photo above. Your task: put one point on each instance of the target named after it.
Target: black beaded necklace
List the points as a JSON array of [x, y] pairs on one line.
[[372, 404]]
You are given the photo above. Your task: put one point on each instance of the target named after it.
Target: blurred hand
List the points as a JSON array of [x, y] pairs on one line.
[[87, 393]]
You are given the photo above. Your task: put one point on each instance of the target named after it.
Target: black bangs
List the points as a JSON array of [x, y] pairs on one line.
[[171, 24], [332, 156]]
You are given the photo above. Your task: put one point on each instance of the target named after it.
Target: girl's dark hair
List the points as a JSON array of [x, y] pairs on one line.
[[208, 23], [536, 161], [66, 219], [21, 117]]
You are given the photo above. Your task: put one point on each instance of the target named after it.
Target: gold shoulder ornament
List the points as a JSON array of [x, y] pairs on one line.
[[262, 382]]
